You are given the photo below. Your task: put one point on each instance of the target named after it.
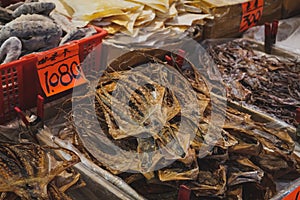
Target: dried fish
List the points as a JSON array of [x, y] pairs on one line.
[[34, 8], [27, 170], [270, 84], [10, 50], [250, 154]]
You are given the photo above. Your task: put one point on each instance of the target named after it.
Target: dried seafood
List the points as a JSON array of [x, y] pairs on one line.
[[29, 171], [37, 29], [243, 163], [10, 50], [271, 84]]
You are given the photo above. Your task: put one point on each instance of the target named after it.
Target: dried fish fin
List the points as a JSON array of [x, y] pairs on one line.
[[10, 50]]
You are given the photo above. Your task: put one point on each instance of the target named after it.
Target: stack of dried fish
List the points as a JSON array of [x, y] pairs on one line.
[[270, 83], [26, 27], [243, 161]]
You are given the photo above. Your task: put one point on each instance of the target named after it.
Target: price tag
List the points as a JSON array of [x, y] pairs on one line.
[[295, 195], [252, 12], [60, 70]]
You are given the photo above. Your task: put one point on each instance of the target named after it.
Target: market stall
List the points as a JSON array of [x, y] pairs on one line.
[[149, 99]]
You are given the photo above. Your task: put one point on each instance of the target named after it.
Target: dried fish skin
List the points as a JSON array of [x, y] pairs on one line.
[[10, 50], [34, 8]]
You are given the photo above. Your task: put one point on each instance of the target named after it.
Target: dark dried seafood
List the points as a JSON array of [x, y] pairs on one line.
[[35, 35], [14, 6], [29, 171], [244, 162], [30, 22], [43, 8], [271, 84], [10, 50], [76, 34]]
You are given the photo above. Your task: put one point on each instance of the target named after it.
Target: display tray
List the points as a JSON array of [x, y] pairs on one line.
[[97, 177], [100, 183]]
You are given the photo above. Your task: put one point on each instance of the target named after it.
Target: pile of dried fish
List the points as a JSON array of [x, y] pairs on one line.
[[28, 171], [242, 162], [31, 171], [270, 83], [31, 26]]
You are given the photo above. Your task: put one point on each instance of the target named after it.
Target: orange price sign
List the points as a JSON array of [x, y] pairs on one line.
[[59, 70], [252, 12], [295, 195]]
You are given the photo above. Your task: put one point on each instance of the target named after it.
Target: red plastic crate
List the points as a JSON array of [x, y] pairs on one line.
[[19, 79]]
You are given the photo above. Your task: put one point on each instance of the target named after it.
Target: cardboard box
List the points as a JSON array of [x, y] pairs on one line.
[[227, 18]]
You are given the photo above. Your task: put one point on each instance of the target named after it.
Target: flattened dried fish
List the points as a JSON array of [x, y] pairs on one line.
[[242, 163]]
